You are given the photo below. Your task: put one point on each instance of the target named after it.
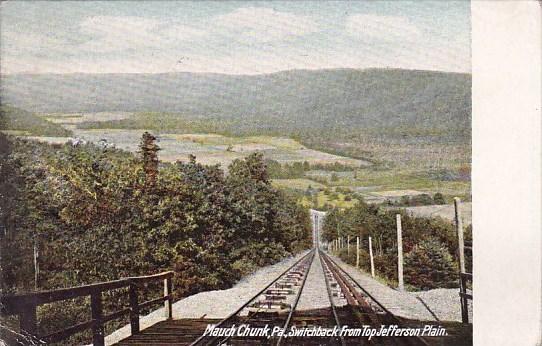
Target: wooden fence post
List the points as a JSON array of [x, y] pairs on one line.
[[168, 303], [28, 322], [400, 253], [36, 263], [371, 256], [459, 230], [96, 311], [134, 309], [357, 252], [461, 248]]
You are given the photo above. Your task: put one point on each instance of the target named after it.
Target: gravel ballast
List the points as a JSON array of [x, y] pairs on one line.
[[314, 294], [440, 304]]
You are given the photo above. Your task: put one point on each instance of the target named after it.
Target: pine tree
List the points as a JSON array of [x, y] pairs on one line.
[[429, 265], [149, 150]]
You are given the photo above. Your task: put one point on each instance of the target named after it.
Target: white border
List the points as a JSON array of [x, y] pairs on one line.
[[506, 47]]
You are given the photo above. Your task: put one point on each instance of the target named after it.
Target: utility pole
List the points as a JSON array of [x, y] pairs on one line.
[[371, 256], [400, 253], [36, 263], [357, 252], [348, 245]]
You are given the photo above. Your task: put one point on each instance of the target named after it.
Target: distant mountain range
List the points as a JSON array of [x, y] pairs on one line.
[[372, 98]]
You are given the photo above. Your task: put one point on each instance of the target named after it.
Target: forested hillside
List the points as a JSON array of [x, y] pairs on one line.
[[289, 100], [21, 121], [98, 214]]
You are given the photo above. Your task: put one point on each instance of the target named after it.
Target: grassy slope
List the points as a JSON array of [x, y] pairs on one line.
[[18, 121]]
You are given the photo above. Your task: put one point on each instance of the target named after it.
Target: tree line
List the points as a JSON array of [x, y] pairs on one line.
[[429, 244], [297, 170]]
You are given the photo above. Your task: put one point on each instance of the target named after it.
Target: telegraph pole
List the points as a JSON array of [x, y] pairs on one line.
[[400, 253]]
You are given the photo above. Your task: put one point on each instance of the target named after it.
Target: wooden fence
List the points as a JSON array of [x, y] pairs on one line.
[[25, 306]]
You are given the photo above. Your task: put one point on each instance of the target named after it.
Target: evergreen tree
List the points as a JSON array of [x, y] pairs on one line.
[[438, 198], [149, 150], [429, 265]]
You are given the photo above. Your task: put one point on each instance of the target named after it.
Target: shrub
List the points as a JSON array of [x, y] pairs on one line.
[[438, 198], [429, 265]]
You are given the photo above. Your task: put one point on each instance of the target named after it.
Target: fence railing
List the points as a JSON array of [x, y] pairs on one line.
[[25, 306]]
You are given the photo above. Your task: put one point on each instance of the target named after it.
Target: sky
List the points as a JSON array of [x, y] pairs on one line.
[[232, 37]]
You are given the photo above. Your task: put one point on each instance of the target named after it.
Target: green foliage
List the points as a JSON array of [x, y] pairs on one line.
[[295, 170], [149, 151], [14, 119], [430, 244], [429, 265], [99, 214], [419, 200], [255, 255], [438, 198]]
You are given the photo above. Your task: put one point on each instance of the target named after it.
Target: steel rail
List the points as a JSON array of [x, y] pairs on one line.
[[389, 313], [353, 298], [232, 315], [294, 306], [330, 296]]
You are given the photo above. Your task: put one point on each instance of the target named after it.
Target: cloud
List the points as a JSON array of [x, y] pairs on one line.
[[246, 40], [381, 27], [15, 42], [110, 33], [255, 24]]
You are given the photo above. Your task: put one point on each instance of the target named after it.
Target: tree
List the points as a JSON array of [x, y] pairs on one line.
[[101, 214], [429, 265], [149, 151], [438, 198]]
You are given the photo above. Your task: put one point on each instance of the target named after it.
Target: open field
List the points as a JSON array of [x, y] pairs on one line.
[[16, 132], [376, 182], [321, 199], [297, 184], [77, 118], [213, 148], [208, 148], [444, 211], [398, 166]]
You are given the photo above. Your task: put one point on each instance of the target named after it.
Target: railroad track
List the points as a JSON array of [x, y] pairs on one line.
[[275, 306], [272, 306]]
